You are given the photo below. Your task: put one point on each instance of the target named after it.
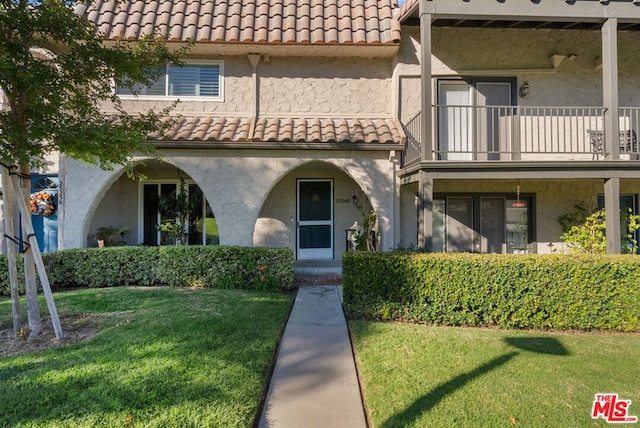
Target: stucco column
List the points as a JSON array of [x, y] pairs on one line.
[[612, 209], [610, 87], [394, 239], [425, 212]]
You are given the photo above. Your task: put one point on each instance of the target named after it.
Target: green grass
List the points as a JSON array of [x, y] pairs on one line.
[[424, 376], [164, 357]]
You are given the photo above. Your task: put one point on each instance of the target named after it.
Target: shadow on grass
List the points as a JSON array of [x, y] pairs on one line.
[[191, 352], [539, 345], [543, 345]]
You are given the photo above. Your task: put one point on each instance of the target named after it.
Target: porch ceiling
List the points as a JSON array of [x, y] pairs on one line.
[[486, 170], [494, 23], [539, 14], [202, 130]]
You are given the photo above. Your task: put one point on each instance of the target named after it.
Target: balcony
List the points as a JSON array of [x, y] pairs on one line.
[[522, 133]]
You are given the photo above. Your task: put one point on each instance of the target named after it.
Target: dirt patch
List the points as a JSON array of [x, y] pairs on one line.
[[75, 327]]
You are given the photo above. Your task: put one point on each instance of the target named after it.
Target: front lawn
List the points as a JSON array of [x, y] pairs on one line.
[[424, 376], [161, 357]]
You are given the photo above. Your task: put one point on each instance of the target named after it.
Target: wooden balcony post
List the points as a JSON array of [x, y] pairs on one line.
[[612, 210], [425, 212], [425, 186], [426, 125], [610, 88]]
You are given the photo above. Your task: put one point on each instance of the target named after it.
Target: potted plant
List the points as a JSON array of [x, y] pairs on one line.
[[177, 208], [110, 236]]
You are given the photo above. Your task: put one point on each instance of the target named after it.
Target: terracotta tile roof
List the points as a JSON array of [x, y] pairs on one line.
[[307, 130], [383, 131], [407, 9], [315, 22], [234, 129]]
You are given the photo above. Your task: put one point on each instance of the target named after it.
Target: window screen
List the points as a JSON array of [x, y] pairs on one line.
[[195, 81], [190, 80]]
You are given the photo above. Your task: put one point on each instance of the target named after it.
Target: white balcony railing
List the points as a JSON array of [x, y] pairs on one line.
[[506, 133]]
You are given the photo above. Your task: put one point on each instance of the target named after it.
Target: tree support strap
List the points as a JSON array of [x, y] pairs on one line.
[[17, 241], [13, 170]]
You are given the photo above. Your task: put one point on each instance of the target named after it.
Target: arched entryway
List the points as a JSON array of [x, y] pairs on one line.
[[310, 210], [165, 208]]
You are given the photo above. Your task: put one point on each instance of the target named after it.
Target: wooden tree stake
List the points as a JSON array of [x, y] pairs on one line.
[[33, 242], [9, 230]]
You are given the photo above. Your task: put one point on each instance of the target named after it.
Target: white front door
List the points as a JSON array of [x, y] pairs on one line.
[[315, 219]]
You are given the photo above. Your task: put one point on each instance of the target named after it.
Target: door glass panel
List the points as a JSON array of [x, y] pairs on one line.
[[315, 201], [517, 226], [438, 225], [196, 226], [627, 206], [150, 214], [460, 224], [493, 135], [455, 121], [492, 227], [167, 190], [315, 236]]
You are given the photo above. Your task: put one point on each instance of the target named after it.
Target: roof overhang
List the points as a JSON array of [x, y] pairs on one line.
[[270, 145], [509, 170], [282, 133], [287, 50]]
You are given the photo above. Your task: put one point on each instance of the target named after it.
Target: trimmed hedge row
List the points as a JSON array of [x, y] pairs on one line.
[[204, 266], [510, 291]]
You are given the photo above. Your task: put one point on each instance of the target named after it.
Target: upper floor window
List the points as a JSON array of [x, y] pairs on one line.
[[192, 80]]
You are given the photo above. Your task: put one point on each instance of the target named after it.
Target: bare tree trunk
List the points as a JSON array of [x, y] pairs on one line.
[[10, 218], [30, 283]]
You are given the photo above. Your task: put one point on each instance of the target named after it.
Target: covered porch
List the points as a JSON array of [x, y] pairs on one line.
[[492, 107]]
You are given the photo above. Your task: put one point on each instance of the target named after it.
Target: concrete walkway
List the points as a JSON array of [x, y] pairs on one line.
[[314, 383]]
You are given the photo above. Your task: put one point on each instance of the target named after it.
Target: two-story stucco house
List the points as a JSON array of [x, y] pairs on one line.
[[286, 114], [467, 125]]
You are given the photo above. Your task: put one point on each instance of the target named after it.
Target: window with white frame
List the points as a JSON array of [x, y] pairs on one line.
[[191, 80]]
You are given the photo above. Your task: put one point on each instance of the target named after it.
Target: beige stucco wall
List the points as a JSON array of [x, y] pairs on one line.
[[339, 87], [239, 185], [576, 82], [119, 208], [321, 86]]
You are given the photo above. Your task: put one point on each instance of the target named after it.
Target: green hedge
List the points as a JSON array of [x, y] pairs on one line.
[[510, 291], [204, 266]]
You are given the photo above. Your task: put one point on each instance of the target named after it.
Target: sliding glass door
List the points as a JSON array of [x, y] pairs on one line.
[[474, 119]]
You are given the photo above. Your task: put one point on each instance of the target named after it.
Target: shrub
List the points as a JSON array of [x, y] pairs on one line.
[[586, 233], [509, 291], [204, 266]]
